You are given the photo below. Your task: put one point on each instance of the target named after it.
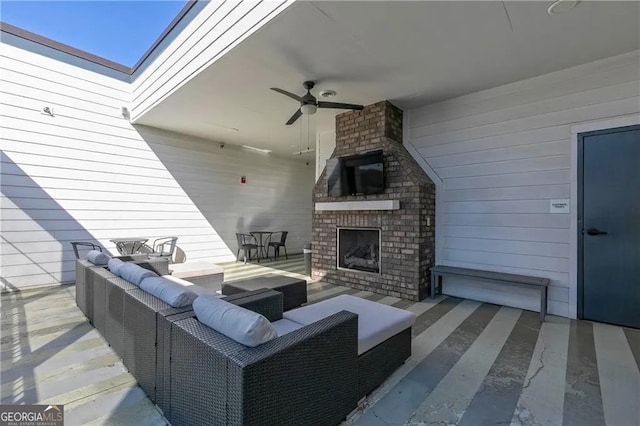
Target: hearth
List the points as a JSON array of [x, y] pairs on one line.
[[359, 249]]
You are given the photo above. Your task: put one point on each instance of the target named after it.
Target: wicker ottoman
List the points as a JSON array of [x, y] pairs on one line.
[[203, 274], [293, 290]]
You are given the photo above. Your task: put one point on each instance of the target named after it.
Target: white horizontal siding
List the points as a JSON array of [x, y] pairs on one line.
[[561, 105], [526, 234], [534, 192], [219, 27], [530, 248], [515, 179], [276, 196], [611, 71], [613, 108], [87, 174], [98, 82], [502, 154]]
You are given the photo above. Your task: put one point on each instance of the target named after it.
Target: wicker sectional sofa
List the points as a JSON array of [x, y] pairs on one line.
[[85, 276], [311, 373], [137, 324]]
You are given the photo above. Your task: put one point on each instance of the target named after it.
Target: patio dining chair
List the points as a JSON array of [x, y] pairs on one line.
[[277, 244], [179, 256], [164, 248], [90, 246], [246, 243]]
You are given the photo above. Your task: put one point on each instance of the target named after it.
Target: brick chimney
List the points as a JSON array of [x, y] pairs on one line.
[[406, 235]]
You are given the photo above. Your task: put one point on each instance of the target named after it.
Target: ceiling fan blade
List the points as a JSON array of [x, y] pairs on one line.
[[338, 105], [289, 94], [294, 117]]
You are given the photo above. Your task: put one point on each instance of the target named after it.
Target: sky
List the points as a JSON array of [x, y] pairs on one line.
[[120, 31]]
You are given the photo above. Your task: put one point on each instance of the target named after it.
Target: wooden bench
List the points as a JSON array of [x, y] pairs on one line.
[[437, 272]]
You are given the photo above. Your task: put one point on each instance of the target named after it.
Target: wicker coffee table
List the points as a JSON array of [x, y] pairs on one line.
[[294, 290]]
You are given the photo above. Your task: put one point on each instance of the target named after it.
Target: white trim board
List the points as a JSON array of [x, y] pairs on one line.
[[359, 205], [610, 123], [437, 180], [406, 141]]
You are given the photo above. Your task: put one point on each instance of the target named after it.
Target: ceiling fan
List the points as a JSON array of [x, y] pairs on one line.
[[309, 104]]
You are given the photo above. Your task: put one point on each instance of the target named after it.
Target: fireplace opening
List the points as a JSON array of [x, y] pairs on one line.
[[359, 249]]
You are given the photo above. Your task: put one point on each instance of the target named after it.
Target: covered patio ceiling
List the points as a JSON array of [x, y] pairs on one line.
[[411, 53]]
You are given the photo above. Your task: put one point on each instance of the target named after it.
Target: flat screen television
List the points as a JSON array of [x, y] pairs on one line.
[[356, 174]]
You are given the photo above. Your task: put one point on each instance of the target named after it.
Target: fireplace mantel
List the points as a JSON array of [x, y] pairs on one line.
[[359, 205]]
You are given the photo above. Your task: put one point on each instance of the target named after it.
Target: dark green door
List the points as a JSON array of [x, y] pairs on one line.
[[610, 225]]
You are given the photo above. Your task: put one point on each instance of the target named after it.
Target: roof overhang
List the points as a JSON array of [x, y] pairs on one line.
[[411, 53]]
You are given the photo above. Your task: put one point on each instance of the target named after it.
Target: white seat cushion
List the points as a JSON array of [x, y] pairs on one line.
[[376, 322], [285, 326], [237, 323]]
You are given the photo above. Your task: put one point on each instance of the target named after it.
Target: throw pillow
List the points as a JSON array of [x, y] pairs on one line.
[[242, 325]]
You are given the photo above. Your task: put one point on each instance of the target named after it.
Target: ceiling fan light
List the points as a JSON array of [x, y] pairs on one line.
[[308, 109]]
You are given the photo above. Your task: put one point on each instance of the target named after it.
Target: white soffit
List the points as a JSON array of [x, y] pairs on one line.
[[411, 53]]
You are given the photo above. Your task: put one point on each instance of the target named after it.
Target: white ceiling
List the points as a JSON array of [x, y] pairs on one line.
[[411, 53]]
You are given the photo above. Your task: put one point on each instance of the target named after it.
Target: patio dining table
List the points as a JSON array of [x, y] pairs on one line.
[[262, 240], [129, 245]]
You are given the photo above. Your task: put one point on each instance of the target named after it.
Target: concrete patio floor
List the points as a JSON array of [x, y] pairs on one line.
[[473, 363]]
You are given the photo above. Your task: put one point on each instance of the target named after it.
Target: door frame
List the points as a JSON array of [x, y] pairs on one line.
[[578, 132]]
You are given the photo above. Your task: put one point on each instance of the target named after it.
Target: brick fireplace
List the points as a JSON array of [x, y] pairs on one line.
[[402, 219]]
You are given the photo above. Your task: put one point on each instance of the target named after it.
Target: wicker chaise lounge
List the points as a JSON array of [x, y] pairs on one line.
[[330, 355], [305, 377]]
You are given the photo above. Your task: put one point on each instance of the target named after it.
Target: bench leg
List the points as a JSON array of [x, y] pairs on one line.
[[436, 283], [433, 285], [543, 303]]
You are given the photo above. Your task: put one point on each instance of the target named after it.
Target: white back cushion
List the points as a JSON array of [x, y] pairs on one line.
[[237, 323], [169, 292], [97, 257], [114, 265], [134, 273]]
